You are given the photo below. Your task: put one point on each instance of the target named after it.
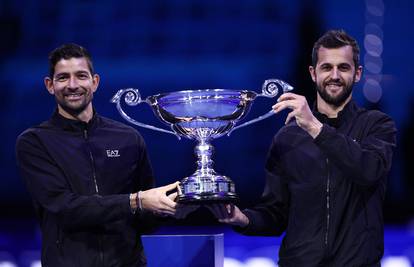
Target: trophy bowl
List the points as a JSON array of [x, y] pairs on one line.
[[202, 115]]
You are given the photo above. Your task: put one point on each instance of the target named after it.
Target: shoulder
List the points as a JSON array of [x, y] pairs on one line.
[[115, 125], [34, 131], [378, 115], [370, 114], [120, 128], [376, 118], [30, 139]]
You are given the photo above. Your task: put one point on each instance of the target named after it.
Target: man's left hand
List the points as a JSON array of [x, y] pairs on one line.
[[182, 210]]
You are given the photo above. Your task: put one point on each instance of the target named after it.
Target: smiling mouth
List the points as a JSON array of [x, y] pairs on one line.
[[333, 85], [74, 96]]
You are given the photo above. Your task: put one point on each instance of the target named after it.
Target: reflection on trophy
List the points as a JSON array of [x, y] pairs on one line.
[[202, 115]]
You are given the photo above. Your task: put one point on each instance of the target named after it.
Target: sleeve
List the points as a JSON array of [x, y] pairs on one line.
[[270, 216], [145, 221], [144, 174], [365, 161], [50, 190]]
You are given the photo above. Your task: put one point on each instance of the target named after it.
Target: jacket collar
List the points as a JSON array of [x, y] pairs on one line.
[[74, 125], [348, 112]]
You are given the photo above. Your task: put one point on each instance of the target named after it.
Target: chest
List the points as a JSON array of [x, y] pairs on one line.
[[94, 163], [307, 166]]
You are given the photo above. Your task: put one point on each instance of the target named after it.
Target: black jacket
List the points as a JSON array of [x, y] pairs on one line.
[[327, 193], [80, 176]]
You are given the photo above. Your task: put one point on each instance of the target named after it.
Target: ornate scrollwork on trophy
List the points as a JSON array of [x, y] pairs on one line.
[[270, 87]]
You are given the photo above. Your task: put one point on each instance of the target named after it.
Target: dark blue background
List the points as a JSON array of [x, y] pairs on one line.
[[164, 46]]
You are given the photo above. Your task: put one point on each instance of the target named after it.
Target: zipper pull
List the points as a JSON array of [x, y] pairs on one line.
[[85, 134]]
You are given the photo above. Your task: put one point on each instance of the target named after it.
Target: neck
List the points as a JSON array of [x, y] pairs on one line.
[[85, 115], [330, 110]]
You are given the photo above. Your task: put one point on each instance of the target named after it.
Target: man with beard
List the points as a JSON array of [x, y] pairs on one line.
[[326, 170], [90, 177]]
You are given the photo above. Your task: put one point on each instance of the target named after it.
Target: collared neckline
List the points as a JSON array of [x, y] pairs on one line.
[[74, 125], [346, 113]]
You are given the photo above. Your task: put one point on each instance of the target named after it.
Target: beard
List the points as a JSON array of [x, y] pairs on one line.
[[338, 100], [74, 107]]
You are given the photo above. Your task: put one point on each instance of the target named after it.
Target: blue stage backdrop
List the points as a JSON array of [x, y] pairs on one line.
[[164, 46]]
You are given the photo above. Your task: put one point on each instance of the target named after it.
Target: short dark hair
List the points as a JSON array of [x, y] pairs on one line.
[[67, 51], [335, 39]]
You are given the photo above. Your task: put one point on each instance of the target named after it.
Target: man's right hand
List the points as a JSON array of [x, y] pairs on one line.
[[229, 213], [157, 201]]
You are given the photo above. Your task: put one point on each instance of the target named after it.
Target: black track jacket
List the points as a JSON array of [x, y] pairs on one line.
[[80, 176], [327, 193]]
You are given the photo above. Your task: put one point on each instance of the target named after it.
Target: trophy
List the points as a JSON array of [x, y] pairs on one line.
[[202, 115]]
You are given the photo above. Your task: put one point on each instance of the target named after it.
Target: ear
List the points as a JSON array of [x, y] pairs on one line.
[[312, 73], [358, 74], [95, 82], [49, 85]]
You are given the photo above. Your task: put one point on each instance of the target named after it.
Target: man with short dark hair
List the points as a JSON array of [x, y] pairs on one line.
[[90, 177], [326, 170]]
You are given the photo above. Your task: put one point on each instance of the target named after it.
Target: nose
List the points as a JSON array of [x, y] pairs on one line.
[[335, 73], [73, 82]]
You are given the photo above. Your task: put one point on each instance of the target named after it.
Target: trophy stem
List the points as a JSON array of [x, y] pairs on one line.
[[205, 185], [204, 151]]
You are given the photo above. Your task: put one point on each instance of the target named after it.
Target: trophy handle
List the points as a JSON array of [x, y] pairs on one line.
[[133, 98], [270, 89]]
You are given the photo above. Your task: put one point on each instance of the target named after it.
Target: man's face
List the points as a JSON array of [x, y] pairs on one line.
[[73, 85], [335, 74]]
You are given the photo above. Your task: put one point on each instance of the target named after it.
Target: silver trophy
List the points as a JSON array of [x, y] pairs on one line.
[[202, 115]]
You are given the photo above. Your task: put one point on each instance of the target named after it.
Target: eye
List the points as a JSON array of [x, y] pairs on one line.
[[344, 67], [61, 78], [83, 76], [325, 67]]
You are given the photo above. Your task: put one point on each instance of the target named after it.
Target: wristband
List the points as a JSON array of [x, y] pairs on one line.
[[139, 200], [131, 202]]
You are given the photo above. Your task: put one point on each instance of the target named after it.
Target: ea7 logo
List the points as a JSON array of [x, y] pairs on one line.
[[112, 153]]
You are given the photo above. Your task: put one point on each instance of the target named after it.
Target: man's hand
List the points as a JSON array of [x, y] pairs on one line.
[[157, 201], [300, 111], [182, 210], [229, 213]]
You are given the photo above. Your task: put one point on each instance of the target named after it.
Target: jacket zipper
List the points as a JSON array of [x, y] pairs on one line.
[[328, 181], [85, 135]]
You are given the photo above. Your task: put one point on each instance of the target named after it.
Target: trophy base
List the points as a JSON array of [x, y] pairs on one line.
[[207, 190], [207, 199]]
